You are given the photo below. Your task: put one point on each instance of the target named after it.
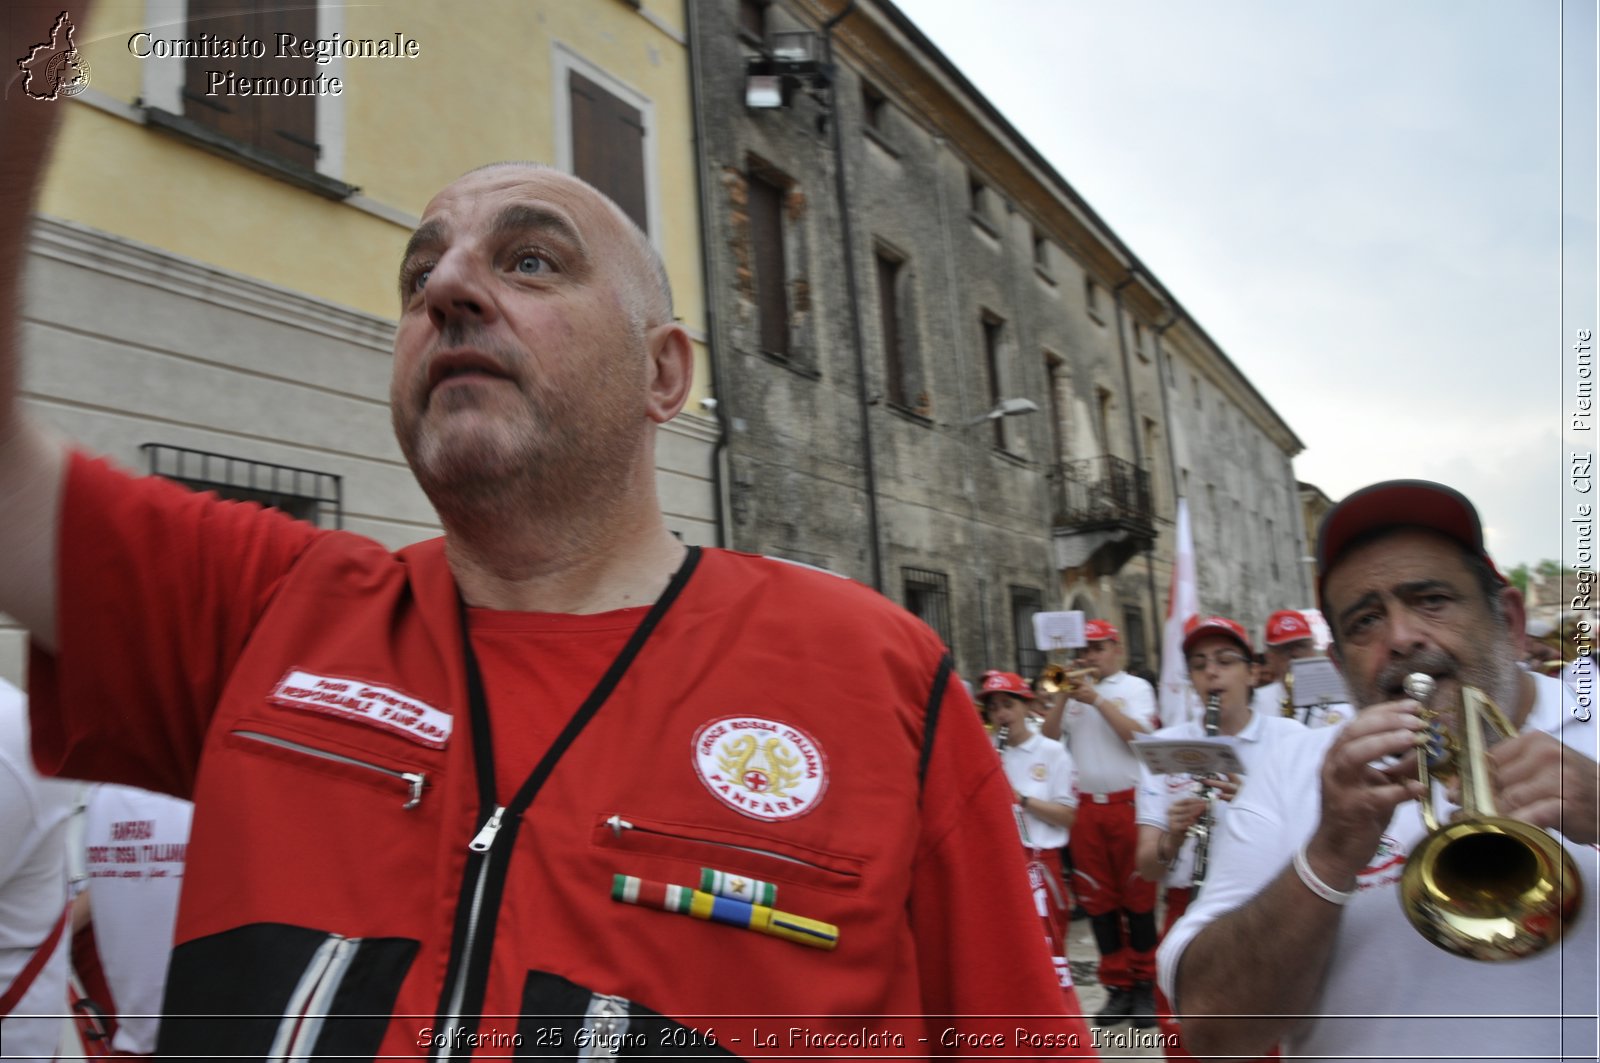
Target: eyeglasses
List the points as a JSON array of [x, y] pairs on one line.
[[1198, 662]]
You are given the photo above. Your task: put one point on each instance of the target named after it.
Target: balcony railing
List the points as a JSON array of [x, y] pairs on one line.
[[1103, 491]]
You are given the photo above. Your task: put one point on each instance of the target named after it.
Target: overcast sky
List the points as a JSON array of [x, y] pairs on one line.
[[1359, 201]]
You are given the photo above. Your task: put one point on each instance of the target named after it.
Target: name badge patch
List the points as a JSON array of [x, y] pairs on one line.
[[377, 706]]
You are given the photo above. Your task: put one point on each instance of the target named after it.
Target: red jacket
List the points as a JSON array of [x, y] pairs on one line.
[[309, 690]]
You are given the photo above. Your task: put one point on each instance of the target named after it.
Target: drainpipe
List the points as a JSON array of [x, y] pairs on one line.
[[1166, 411], [708, 274], [842, 193]]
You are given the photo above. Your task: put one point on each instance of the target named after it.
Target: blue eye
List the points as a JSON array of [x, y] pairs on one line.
[[420, 281], [531, 264]]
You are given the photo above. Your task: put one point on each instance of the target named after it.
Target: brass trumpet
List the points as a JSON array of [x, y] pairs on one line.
[[1286, 706], [1057, 677], [1484, 886]]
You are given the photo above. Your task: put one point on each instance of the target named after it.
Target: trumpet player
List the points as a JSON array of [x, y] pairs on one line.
[[1301, 929], [1288, 638], [1218, 655]]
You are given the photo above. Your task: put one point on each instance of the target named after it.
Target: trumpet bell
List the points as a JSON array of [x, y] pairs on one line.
[[1055, 677], [1491, 889]]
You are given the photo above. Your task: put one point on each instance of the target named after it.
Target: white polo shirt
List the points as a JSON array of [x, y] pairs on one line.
[[33, 884], [1268, 701], [1041, 769], [137, 846], [1104, 761], [1260, 736], [1388, 994]]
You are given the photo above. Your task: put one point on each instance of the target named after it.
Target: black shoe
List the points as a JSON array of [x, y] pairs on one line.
[[1119, 1005], [1077, 913], [1142, 1006]]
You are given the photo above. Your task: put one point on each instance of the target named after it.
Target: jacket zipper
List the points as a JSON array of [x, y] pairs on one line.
[[481, 844], [618, 825], [416, 780], [470, 956]]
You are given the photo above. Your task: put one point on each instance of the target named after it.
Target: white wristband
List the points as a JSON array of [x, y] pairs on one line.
[[1309, 878]]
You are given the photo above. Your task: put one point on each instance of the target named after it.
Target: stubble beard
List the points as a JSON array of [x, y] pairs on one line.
[[488, 461]]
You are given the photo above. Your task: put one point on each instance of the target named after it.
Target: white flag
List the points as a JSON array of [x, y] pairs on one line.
[[1178, 700]]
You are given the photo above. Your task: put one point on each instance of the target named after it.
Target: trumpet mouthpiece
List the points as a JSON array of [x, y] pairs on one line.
[[1419, 686]]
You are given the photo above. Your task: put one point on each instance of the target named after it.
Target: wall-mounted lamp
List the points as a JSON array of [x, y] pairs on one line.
[[794, 62]]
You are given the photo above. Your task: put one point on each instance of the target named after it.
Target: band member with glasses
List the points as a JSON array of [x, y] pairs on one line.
[[1300, 934], [1099, 714], [1218, 654]]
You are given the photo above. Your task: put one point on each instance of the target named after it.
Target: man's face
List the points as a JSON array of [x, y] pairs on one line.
[[1219, 665], [1278, 657], [1407, 602], [1103, 656], [520, 351]]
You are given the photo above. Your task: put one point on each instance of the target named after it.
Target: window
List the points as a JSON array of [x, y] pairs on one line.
[[1025, 602], [1194, 382], [1102, 411], [1091, 298], [1152, 453], [282, 126], [874, 107], [314, 497], [895, 378], [980, 204], [608, 146], [992, 327], [753, 20], [766, 196], [1139, 342], [1272, 545], [1055, 374], [1041, 253], [928, 597], [1133, 640]]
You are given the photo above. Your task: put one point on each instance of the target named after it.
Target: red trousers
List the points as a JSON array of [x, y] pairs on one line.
[[1104, 839]]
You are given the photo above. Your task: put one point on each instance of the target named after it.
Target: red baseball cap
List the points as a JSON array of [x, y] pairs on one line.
[[1396, 504], [1286, 626], [1199, 627], [1101, 631], [1005, 683]]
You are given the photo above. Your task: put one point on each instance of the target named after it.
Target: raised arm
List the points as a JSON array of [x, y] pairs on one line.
[[32, 462]]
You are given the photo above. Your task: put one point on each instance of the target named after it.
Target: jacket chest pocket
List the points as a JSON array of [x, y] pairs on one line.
[[408, 780], [703, 851]]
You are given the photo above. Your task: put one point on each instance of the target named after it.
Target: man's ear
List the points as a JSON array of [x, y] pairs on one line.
[[1516, 610], [671, 371]]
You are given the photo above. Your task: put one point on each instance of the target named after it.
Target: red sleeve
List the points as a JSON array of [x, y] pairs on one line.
[[157, 590], [984, 966]]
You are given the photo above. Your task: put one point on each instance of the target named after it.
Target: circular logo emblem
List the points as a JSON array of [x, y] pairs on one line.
[[67, 74], [761, 768], [1039, 772]]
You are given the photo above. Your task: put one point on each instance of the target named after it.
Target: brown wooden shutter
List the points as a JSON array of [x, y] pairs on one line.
[[608, 146], [285, 126]]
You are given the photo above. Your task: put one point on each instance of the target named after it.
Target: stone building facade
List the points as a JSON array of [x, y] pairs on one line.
[[937, 370]]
